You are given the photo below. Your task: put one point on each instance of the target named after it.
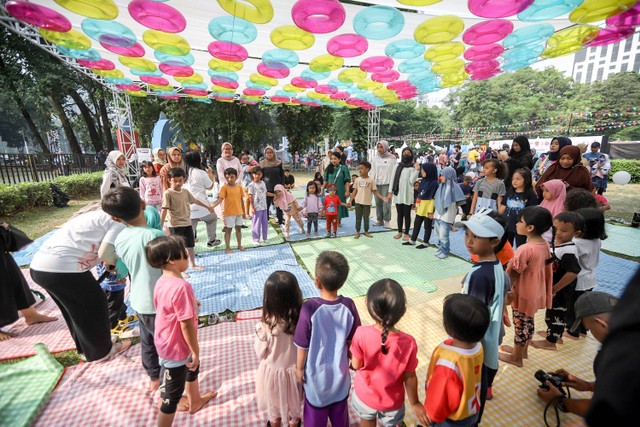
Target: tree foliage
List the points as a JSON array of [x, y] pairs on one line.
[[303, 125]]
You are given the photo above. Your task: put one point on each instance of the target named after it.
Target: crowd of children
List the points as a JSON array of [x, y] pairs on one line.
[[307, 348]]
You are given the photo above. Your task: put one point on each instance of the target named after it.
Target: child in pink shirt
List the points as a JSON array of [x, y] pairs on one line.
[[531, 280], [385, 360], [176, 330]]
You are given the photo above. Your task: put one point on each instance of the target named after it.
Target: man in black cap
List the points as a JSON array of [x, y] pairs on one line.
[[593, 310], [592, 157]]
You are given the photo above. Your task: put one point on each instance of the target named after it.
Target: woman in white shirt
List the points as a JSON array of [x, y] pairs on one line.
[[382, 167], [198, 182], [62, 266]]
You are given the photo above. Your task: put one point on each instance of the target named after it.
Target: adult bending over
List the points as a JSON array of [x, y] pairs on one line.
[[198, 182], [62, 266]]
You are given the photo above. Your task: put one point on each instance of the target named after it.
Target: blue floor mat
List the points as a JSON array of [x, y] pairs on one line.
[[24, 256], [613, 273], [622, 240], [236, 281]]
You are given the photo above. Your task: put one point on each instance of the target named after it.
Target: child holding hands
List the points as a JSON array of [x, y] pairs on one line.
[[323, 334], [331, 204], [176, 334], [381, 378], [364, 187], [176, 201], [234, 214], [287, 203]]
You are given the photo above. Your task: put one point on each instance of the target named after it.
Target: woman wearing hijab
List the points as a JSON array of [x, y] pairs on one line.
[[174, 160], [405, 174], [226, 161], [550, 157], [382, 168], [272, 175], [447, 199], [114, 175], [338, 174], [159, 159], [519, 157], [569, 169]]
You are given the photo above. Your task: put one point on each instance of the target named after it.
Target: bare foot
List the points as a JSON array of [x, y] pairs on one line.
[[185, 275], [228, 251], [542, 334], [39, 318], [196, 406], [357, 236], [508, 358], [198, 267], [154, 384], [571, 337], [241, 248], [543, 344], [368, 234], [183, 404], [397, 236], [6, 336], [509, 349], [406, 237]]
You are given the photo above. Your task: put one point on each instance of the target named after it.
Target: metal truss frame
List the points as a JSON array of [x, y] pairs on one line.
[[373, 129], [127, 138]]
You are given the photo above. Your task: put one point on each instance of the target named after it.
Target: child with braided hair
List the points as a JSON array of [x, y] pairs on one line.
[[384, 371]]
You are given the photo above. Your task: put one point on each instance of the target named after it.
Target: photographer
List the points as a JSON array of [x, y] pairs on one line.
[[593, 310]]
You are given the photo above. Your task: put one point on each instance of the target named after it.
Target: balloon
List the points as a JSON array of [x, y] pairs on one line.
[[622, 177]]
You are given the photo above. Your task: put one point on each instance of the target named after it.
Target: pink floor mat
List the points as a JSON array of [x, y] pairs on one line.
[[55, 335], [115, 393]]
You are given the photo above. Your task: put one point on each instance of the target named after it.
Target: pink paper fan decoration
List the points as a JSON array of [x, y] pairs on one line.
[[482, 67], [400, 85], [611, 35], [630, 18], [224, 83], [485, 76], [280, 99], [254, 92], [132, 87], [339, 95]]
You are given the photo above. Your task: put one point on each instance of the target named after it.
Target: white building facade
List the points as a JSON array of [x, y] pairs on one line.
[[598, 63]]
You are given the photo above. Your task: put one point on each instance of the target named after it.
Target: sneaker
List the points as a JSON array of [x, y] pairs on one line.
[[244, 226], [334, 235], [378, 223], [442, 255], [409, 243], [328, 235], [438, 253], [213, 243]]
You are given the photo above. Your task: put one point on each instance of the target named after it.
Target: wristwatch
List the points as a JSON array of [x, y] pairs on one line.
[[560, 404]]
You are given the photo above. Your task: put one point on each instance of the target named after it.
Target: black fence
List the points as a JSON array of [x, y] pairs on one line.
[[17, 168]]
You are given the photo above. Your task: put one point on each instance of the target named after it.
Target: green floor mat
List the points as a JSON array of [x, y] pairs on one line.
[[382, 256], [622, 240], [273, 238], [26, 386]]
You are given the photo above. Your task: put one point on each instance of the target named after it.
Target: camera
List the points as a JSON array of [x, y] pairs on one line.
[[554, 379]]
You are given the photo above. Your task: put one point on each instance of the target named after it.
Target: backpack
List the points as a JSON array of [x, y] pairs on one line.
[[60, 198]]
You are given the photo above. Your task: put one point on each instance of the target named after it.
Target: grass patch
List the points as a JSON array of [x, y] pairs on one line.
[[624, 201], [38, 221]]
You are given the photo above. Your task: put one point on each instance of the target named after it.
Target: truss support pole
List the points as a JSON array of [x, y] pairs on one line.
[[373, 128], [126, 135]]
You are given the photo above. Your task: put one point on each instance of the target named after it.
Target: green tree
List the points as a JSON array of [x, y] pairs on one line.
[[302, 124]]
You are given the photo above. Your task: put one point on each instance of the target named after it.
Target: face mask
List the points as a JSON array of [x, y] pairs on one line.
[[406, 158]]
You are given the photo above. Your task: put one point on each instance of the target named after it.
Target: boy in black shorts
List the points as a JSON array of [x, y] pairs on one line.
[[176, 201]]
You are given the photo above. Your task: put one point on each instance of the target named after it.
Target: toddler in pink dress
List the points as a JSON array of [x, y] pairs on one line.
[[277, 390]]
